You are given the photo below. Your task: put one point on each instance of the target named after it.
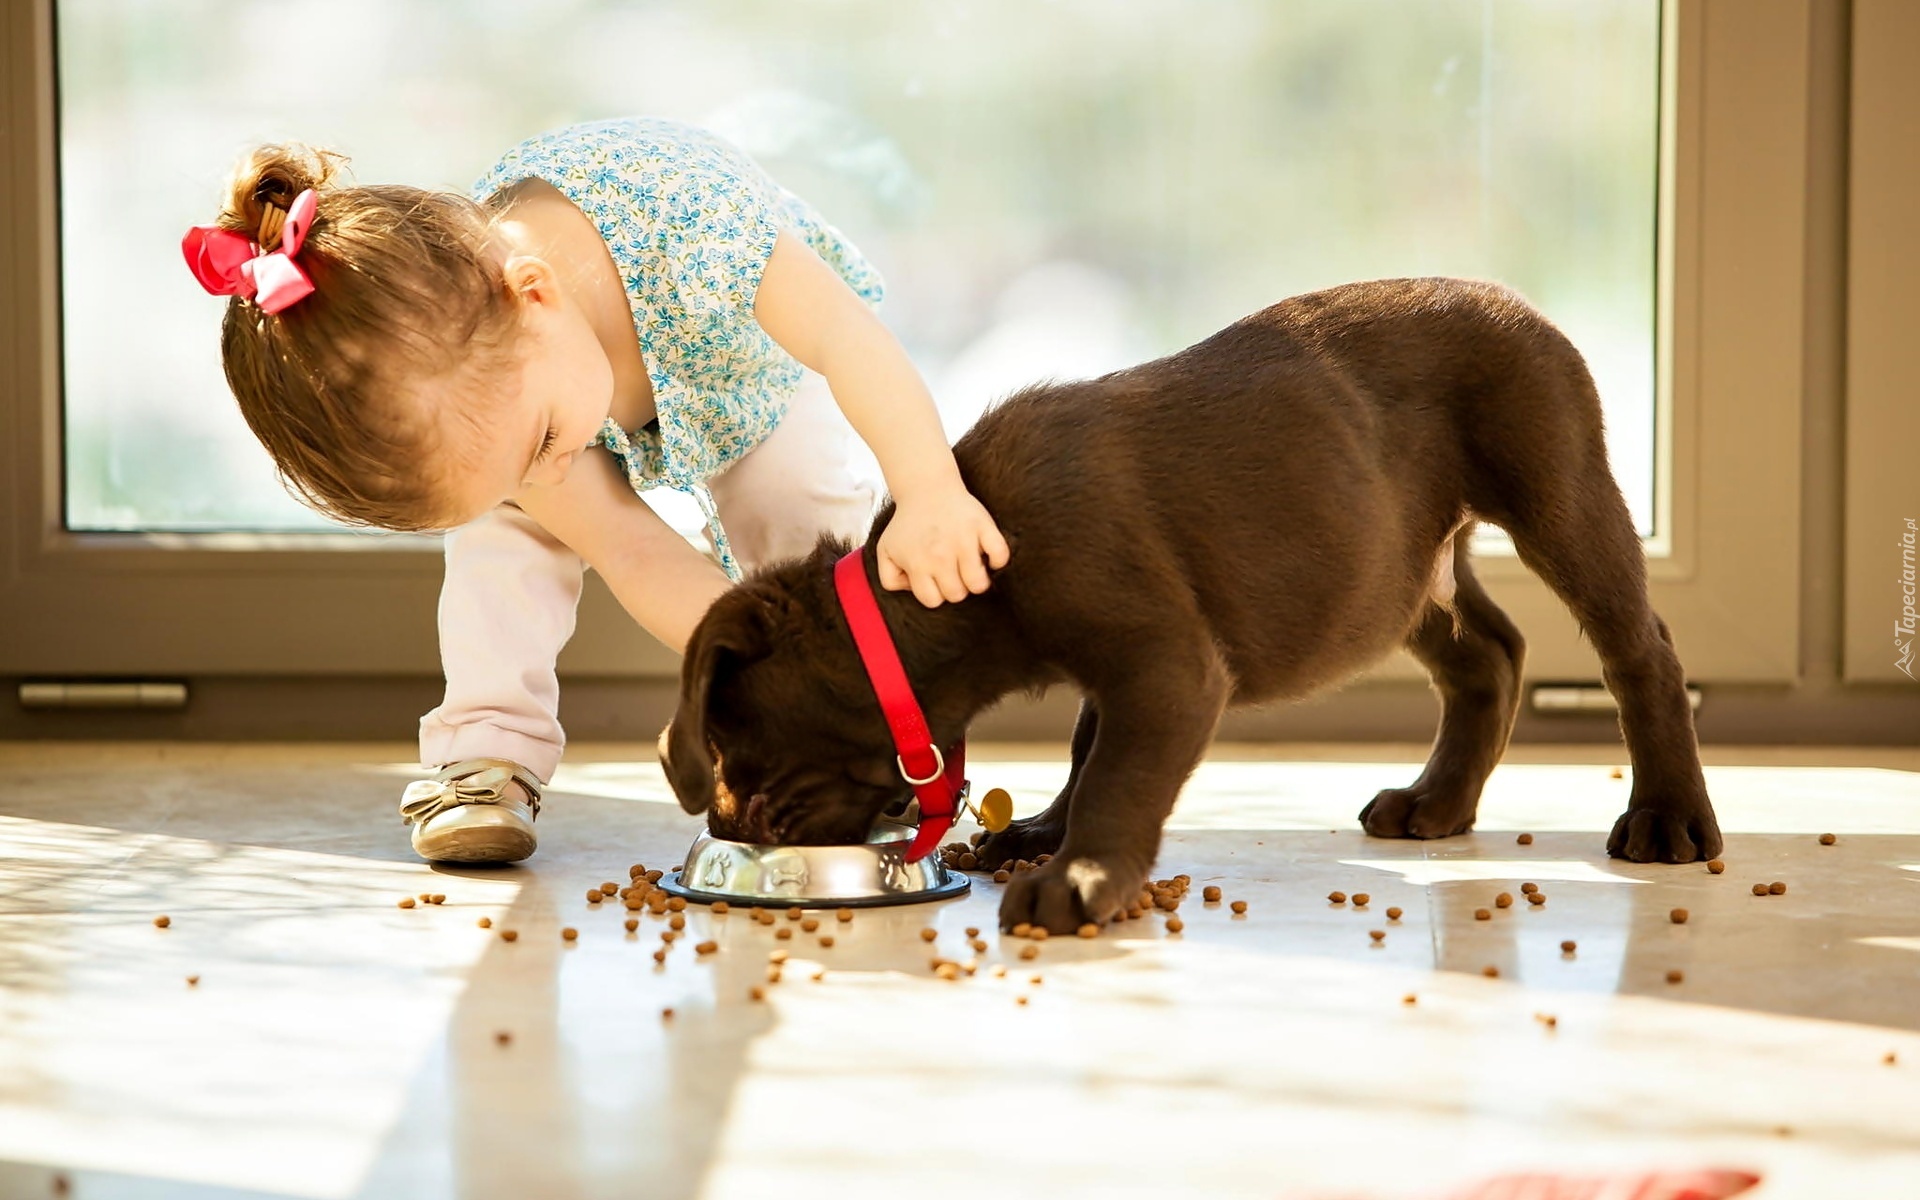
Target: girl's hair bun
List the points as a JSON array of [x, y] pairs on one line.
[[269, 179]]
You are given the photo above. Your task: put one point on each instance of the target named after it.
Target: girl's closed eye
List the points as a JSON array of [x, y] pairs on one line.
[[546, 445]]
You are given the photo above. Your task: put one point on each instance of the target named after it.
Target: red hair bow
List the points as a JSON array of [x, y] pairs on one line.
[[230, 264]]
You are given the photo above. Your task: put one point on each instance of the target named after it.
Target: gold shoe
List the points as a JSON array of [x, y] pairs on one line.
[[469, 812]]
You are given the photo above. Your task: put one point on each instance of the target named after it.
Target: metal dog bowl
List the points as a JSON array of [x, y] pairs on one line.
[[857, 876]]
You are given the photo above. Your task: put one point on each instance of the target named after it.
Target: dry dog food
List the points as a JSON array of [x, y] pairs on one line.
[[1020, 1000], [570, 934], [1039, 933], [193, 981], [1827, 839], [1616, 773], [502, 1038], [948, 971], [794, 913], [1547, 1019], [1409, 998], [1021, 930], [1029, 952], [1890, 1058], [1675, 976], [826, 941], [636, 870], [1569, 946], [1001, 876], [765, 917], [1378, 935], [977, 946], [1175, 924], [163, 922], [509, 935], [1525, 839], [843, 915], [756, 993], [973, 931], [609, 888], [1490, 972], [776, 957], [1393, 914], [1503, 900], [719, 908], [1210, 894], [653, 877], [1678, 916], [773, 974], [706, 947], [633, 923], [1529, 889], [1715, 866], [808, 925], [666, 1014], [1336, 897], [594, 896], [437, 898], [1481, 914], [486, 922], [1536, 898], [1360, 899], [929, 933], [819, 975], [1089, 930], [677, 903], [676, 921], [1239, 907], [668, 936], [1777, 888], [784, 933], [660, 955], [405, 902], [1759, 889]]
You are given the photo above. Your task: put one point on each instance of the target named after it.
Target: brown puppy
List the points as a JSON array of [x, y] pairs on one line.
[[1254, 518]]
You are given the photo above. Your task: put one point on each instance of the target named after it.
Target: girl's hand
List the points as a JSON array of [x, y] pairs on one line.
[[934, 545]]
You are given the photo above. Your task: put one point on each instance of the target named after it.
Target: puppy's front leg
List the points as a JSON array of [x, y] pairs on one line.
[[1030, 837], [1151, 734]]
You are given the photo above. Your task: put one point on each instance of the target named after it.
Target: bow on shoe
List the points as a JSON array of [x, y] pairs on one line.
[[230, 264], [426, 799]]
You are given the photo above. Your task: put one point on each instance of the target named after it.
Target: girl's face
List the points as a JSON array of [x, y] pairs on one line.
[[561, 388]]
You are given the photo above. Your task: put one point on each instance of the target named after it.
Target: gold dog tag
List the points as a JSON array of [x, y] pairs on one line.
[[995, 810]]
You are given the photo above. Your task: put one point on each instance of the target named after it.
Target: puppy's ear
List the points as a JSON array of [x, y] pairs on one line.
[[731, 633]]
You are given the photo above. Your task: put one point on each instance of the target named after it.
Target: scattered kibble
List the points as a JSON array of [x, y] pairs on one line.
[[1036, 981], [973, 931], [1210, 894], [776, 957], [948, 971], [486, 922], [193, 981], [756, 993], [666, 1014], [570, 934], [509, 935], [1547, 1019], [1676, 976], [1490, 972], [977, 945], [1481, 914], [1889, 1059], [677, 921], [706, 947], [633, 923], [1525, 839], [405, 902], [773, 974], [594, 896], [784, 933], [1569, 946], [1021, 930], [1089, 930], [795, 913], [502, 1038], [1002, 875], [1715, 866], [1503, 900], [819, 975], [437, 898], [719, 908], [636, 870], [1378, 935], [1239, 907], [826, 941], [1777, 888], [809, 924], [1360, 899], [1336, 897], [1529, 889], [1175, 924], [1039, 933], [1393, 914], [1536, 898], [1827, 839], [843, 915], [1029, 952], [653, 877], [929, 933], [667, 936], [1759, 889], [1678, 916], [1409, 998], [163, 922], [1616, 773], [1020, 1000]]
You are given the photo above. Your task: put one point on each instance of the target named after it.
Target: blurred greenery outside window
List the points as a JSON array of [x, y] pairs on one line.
[[1051, 187]]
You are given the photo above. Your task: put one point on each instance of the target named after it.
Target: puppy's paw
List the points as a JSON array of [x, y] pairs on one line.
[[1676, 833], [1069, 892], [1027, 838], [1421, 811]]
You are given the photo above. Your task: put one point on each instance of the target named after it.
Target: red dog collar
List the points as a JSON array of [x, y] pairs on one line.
[[937, 779]]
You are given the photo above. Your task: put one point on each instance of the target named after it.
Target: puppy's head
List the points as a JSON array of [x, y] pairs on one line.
[[778, 737]]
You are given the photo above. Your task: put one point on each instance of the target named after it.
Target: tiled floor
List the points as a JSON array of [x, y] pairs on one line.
[[339, 1046]]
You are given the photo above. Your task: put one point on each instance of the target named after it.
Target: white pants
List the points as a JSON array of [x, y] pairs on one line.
[[507, 603]]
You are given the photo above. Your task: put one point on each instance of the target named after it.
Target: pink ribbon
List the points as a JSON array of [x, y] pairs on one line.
[[230, 264]]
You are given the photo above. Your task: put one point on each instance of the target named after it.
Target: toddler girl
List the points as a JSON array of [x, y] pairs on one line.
[[623, 305]]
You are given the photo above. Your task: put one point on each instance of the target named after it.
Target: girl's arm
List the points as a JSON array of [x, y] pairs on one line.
[[939, 532], [658, 577]]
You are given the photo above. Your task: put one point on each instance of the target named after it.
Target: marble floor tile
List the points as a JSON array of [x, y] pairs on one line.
[[336, 1045]]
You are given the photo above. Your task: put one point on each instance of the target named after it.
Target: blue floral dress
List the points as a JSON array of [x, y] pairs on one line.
[[690, 221]]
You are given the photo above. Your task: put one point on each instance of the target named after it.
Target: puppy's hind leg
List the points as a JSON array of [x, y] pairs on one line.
[[1475, 661], [1030, 837]]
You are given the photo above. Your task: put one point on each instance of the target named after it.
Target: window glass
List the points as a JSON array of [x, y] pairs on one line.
[[1051, 187]]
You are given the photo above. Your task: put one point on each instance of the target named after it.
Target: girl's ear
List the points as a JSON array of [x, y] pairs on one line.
[[531, 281]]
